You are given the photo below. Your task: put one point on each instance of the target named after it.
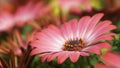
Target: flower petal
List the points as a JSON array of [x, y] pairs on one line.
[[74, 56], [44, 56], [62, 57], [97, 48], [67, 29], [53, 56], [112, 59]]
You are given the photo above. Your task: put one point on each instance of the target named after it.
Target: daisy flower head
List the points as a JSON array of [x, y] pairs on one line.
[[25, 13], [73, 39]]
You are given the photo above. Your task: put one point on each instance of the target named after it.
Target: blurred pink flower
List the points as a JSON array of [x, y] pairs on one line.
[[73, 39], [17, 45], [29, 12], [6, 21], [71, 4], [21, 44], [111, 60]]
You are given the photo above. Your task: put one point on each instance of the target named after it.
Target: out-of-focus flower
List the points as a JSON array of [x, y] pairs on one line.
[[111, 60], [6, 21], [23, 14], [18, 50], [71, 5], [29, 12], [68, 5], [73, 39], [16, 44]]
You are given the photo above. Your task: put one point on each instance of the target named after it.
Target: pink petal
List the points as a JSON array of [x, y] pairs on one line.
[[62, 57], [94, 20], [54, 28], [112, 59], [103, 24], [97, 48], [44, 56], [90, 25], [53, 56], [44, 49], [102, 37], [67, 29], [106, 29], [74, 56], [83, 25], [74, 27], [40, 43], [51, 32], [43, 38], [99, 27], [105, 37]]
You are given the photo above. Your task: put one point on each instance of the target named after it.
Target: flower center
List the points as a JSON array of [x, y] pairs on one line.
[[74, 45]]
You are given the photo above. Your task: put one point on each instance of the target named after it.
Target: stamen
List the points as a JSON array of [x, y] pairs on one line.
[[74, 45]]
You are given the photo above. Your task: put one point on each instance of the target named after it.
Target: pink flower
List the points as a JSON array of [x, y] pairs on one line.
[[29, 12], [6, 21], [68, 5], [73, 39], [17, 45], [21, 44], [111, 60]]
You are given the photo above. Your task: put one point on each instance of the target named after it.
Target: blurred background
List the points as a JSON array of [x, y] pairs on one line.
[[19, 19]]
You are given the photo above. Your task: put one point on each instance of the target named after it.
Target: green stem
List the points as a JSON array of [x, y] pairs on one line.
[[81, 62], [75, 65]]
